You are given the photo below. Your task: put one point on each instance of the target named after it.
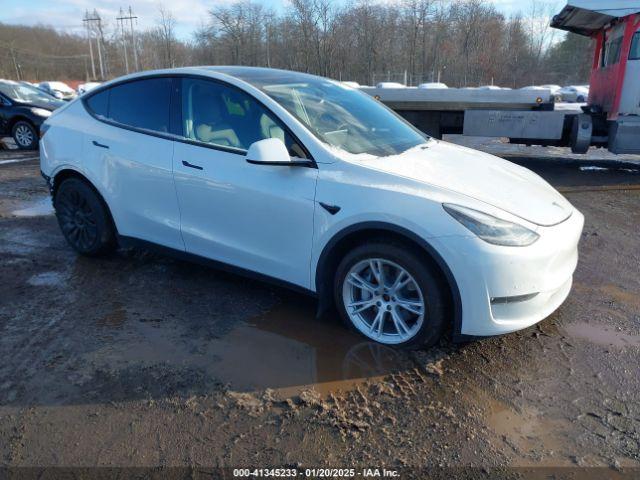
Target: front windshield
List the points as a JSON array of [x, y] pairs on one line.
[[20, 92], [345, 118]]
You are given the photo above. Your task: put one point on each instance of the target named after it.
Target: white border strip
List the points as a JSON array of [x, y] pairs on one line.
[[18, 160]]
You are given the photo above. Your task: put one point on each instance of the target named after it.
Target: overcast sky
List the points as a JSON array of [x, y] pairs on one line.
[[189, 14]]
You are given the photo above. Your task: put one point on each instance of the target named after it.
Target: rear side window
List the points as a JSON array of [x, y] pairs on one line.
[[99, 104], [142, 104], [634, 54]]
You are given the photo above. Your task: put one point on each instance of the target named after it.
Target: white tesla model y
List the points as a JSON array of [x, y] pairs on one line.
[[312, 183]]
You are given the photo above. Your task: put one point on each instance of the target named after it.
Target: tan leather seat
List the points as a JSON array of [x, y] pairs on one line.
[[224, 136]]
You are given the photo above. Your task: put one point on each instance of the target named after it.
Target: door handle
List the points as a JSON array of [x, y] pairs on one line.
[[191, 165], [101, 145]]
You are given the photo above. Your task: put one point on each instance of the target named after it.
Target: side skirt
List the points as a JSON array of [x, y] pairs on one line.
[[132, 242]]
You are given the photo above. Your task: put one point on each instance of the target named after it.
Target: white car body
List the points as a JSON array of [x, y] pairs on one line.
[[433, 86], [269, 220], [578, 94], [390, 85], [60, 90], [85, 87]]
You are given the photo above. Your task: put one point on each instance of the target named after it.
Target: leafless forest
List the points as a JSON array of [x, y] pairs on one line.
[[462, 43]]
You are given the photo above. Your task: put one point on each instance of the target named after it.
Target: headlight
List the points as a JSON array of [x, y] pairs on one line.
[[41, 112], [491, 229]]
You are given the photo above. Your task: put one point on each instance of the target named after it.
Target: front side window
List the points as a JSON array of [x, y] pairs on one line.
[[141, 104], [219, 115], [612, 46], [634, 54], [344, 118]]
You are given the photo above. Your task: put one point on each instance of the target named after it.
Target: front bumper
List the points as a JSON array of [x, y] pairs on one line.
[[504, 289]]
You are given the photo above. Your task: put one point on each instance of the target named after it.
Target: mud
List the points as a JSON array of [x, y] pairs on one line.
[[138, 359]]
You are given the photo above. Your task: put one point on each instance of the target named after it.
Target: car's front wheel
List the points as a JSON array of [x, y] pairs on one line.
[[391, 295], [25, 135], [83, 218]]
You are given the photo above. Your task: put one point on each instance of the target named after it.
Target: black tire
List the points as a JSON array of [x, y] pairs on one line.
[[580, 99], [427, 279], [83, 218], [25, 135]]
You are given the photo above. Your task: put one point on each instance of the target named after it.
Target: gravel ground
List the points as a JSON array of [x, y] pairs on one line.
[[140, 360]]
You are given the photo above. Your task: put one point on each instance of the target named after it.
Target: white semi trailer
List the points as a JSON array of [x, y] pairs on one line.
[[611, 118]]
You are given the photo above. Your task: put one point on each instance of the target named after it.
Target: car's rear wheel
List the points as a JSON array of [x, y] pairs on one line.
[[25, 135], [389, 294], [83, 218]]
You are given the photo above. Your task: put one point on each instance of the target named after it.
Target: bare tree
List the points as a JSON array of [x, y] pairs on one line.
[[460, 42], [166, 32]]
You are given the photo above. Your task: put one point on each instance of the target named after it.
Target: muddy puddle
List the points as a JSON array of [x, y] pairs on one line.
[[532, 434], [286, 349], [602, 335]]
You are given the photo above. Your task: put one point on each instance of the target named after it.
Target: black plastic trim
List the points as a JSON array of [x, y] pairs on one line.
[[332, 209], [409, 235], [191, 165], [132, 242], [101, 145], [285, 163], [175, 95]]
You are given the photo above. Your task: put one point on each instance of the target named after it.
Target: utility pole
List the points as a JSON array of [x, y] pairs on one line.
[[131, 17], [15, 63], [90, 20], [133, 39], [124, 40], [93, 64]]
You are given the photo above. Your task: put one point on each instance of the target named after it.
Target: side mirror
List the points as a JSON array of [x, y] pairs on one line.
[[272, 151]]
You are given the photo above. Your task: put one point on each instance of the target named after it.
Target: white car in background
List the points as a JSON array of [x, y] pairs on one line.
[[390, 85], [59, 90], [574, 93], [85, 87], [300, 179], [433, 86]]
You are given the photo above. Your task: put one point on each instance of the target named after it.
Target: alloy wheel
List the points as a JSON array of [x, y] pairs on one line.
[[77, 219], [24, 135], [383, 301]]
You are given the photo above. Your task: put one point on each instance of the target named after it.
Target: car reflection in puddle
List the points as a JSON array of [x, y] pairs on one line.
[[286, 349]]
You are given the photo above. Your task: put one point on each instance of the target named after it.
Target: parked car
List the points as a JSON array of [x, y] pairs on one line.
[[554, 93], [319, 186], [59, 90], [85, 87], [390, 85], [574, 93], [555, 89], [23, 108], [433, 86]]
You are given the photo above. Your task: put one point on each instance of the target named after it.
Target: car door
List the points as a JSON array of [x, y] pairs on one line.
[[5, 114], [255, 217], [128, 152]]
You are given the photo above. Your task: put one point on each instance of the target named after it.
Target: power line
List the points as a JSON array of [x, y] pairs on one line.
[[22, 51], [122, 19], [90, 21]]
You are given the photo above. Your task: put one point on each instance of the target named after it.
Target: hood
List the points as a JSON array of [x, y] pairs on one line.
[[51, 105], [484, 177]]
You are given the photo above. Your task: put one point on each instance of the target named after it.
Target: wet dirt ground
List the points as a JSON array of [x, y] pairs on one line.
[[137, 359]]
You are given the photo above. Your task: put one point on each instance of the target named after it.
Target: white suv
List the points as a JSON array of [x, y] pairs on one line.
[[312, 183]]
